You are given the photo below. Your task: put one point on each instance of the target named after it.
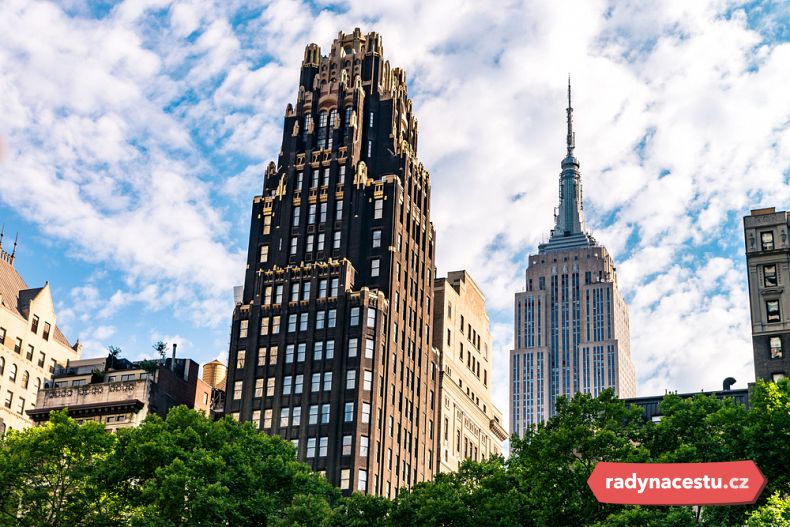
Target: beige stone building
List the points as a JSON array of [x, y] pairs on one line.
[[31, 344], [470, 423]]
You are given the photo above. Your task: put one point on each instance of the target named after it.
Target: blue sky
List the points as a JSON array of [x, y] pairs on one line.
[[133, 136]]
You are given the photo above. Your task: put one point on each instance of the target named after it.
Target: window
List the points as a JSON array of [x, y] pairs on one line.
[[309, 247], [776, 347], [322, 217], [353, 346], [299, 180], [367, 380], [370, 120], [12, 373], [318, 351], [296, 416], [341, 176], [270, 387], [370, 148], [320, 245], [351, 379], [334, 286], [267, 224], [313, 417], [310, 447], [295, 292], [34, 324], [314, 179], [371, 317], [339, 209], [322, 288], [767, 240], [285, 415], [2, 336], [365, 412], [30, 352], [306, 291], [303, 321], [296, 210], [21, 406], [345, 478], [278, 294], [275, 324], [2, 365], [319, 319], [328, 381], [363, 446], [267, 295], [362, 484], [377, 238], [378, 209], [323, 443], [243, 328], [311, 214], [47, 328], [369, 348], [772, 310], [346, 446], [336, 240], [776, 377], [331, 318], [324, 414], [25, 379], [298, 382], [329, 349], [769, 275], [264, 325], [9, 398], [294, 244], [287, 381], [240, 356], [292, 323], [348, 412], [273, 354], [267, 418], [374, 267], [354, 317], [237, 389]]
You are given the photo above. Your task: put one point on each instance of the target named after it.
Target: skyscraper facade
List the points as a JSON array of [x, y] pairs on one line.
[[768, 264], [571, 322], [331, 339]]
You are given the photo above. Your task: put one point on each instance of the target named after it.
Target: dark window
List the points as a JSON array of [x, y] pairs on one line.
[[34, 326], [776, 347], [769, 275], [47, 328], [772, 310], [767, 240]]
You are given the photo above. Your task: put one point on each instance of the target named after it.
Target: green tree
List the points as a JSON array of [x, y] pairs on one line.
[[48, 475], [775, 513]]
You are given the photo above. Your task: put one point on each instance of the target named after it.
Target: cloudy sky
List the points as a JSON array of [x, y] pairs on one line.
[[133, 136]]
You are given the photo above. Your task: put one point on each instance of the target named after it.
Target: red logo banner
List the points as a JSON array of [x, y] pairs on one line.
[[726, 483]]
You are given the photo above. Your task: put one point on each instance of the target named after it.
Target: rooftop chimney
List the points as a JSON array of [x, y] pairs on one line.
[[173, 360], [727, 384]]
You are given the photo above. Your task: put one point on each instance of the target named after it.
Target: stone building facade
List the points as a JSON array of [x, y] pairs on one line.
[[470, 424], [571, 321], [331, 337], [768, 265], [31, 343]]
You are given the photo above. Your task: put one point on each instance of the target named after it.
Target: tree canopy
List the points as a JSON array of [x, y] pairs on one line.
[[186, 470]]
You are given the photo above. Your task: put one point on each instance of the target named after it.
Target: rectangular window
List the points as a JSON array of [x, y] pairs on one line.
[[341, 177], [306, 291], [324, 414], [336, 240], [328, 381], [267, 418], [362, 484], [285, 416], [320, 245], [301, 348], [310, 447], [322, 218], [311, 214], [319, 319], [347, 445], [309, 247], [377, 238], [374, 267], [371, 317], [296, 416], [42, 358], [315, 384], [345, 478], [294, 244], [295, 292], [323, 444], [348, 412], [354, 319], [243, 328], [258, 387], [338, 210], [292, 323], [303, 321], [370, 148], [369, 348], [264, 326], [298, 382], [329, 349], [30, 352], [367, 380], [334, 286], [772, 310], [767, 240], [353, 346], [237, 389], [264, 254], [378, 209], [322, 288], [299, 180], [769, 275], [363, 446], [370, 120], [34, 324], [365, 412], [270, 387], [318, 351], [278, 294], [273, 355], [296, 210], [267, 295], [776, 347], [267, 224], [47, 328], [351, 379], [275, 324], [313, 418], [331, 318], [240, 356]]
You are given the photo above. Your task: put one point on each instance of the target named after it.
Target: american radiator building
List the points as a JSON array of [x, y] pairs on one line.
[[331, 340], [571, 322]]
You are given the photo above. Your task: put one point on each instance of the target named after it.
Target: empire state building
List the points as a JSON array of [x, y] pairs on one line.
[[571, 321]]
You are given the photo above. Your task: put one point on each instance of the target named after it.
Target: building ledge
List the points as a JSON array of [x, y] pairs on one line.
[[498, 429], [129, 405]]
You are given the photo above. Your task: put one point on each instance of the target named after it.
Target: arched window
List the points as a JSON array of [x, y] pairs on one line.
[[12, 374], [38, 384], [25, 379]]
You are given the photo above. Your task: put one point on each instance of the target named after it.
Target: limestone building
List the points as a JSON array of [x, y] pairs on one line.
[[768, 265], [331, 337], [470, 423], [571, 321], [31, 344]]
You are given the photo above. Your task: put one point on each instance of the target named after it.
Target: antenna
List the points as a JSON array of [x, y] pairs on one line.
[[2, 233], [571, 139], [13, 253]]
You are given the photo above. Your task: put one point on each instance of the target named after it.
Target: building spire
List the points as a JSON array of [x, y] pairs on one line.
[[570, 229], [571, 138]]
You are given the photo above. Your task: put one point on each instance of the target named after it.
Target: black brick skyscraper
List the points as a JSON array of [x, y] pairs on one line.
[[331, 345]]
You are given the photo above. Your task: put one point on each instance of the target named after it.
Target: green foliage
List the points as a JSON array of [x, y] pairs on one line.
[[188, 471]]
